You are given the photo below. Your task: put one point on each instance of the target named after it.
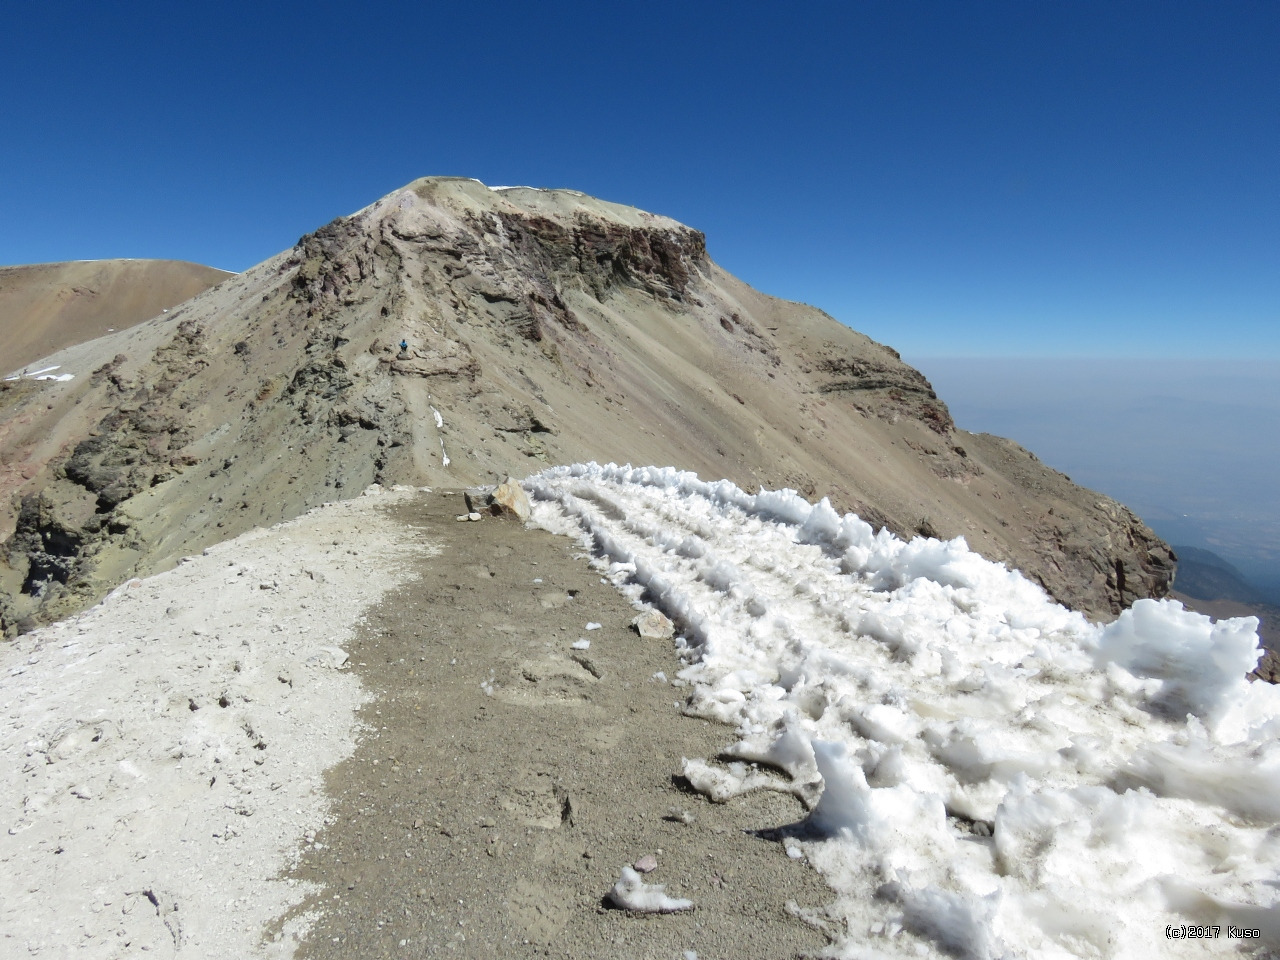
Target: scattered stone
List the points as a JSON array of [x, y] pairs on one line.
[[652, 625], [333, 657], [588, 665], [509, 499], [473, 517], [646, 864]]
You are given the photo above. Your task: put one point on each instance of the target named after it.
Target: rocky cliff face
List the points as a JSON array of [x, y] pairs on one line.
[[540, 327]]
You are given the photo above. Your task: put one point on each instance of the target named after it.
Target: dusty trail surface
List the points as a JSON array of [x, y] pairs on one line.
[[161, 754], [503, 778]]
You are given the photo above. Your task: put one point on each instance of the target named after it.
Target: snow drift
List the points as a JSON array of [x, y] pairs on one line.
[[988, 773]]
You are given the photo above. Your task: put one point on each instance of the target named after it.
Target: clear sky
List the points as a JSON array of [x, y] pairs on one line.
[[1054, 178]]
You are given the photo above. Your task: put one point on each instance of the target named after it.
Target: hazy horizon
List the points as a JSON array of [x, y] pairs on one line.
[[1191, 446]]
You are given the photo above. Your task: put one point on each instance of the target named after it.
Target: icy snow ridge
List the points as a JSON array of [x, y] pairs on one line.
[[987, 773]]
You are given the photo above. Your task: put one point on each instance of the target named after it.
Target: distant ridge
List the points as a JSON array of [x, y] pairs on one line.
[[45, 307], [539, 327], [1206, 576]]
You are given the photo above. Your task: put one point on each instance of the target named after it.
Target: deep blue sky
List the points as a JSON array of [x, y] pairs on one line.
[[1054, 178]]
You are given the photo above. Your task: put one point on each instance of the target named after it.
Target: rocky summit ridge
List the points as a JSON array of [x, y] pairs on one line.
[[539, 327]]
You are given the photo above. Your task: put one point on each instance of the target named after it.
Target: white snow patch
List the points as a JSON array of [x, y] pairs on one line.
[[581, 644], [632, 893], [44, 373], [988, 773]]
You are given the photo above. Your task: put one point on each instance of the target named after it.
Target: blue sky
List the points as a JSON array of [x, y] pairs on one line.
[[955, 179]]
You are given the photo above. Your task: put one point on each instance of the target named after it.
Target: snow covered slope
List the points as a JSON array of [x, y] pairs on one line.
[[988, 774]]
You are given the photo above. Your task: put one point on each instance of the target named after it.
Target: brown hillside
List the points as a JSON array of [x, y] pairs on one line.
[[45, 307], [543, 327]]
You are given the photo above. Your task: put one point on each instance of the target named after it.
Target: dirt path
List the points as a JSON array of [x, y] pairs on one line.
[[503, 779]]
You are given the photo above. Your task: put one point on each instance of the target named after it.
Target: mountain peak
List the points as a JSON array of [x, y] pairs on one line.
[[451, 334]]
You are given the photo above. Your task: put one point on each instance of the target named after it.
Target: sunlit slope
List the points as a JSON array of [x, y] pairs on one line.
[[540, 327], [45, 307]]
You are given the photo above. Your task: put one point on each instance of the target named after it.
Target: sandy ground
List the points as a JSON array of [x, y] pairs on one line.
[[163, 753], [505, 778], [188, 772]]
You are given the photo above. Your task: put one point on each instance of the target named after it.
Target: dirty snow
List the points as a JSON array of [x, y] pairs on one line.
[[987, 773], [161, 755]]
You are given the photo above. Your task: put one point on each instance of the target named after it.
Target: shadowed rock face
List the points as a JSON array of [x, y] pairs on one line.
[[541, 327]]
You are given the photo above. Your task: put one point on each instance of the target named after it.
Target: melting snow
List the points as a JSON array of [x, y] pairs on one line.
[[444, 455], [632, 893], [45, 373], [987, 773]]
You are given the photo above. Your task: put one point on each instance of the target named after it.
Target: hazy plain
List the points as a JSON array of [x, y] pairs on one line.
[[1192, 446]]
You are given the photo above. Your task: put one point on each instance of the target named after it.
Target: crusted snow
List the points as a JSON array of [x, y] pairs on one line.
[[987, 773], [632, 893], [444, 455]]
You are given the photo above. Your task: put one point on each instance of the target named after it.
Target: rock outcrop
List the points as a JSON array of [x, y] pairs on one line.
[[538, 327]]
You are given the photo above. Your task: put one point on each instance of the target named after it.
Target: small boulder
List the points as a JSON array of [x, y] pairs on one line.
[[509, 499], [652, 625]]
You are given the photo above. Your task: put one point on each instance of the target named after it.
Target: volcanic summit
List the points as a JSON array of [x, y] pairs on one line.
[[451, 334]]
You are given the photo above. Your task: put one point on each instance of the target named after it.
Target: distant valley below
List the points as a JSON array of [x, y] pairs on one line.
[[1191, 446]]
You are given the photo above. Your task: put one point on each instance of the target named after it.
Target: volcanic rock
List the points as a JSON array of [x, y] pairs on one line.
[[541, 327], [508, 499], [653, 625]]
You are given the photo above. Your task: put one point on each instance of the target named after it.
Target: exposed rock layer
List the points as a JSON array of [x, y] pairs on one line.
[[539, 327]]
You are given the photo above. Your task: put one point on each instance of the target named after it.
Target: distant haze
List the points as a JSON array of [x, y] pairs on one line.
[[1193, 447]]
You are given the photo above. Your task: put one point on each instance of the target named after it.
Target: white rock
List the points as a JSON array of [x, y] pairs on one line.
[[332, 657], [652, 625]]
